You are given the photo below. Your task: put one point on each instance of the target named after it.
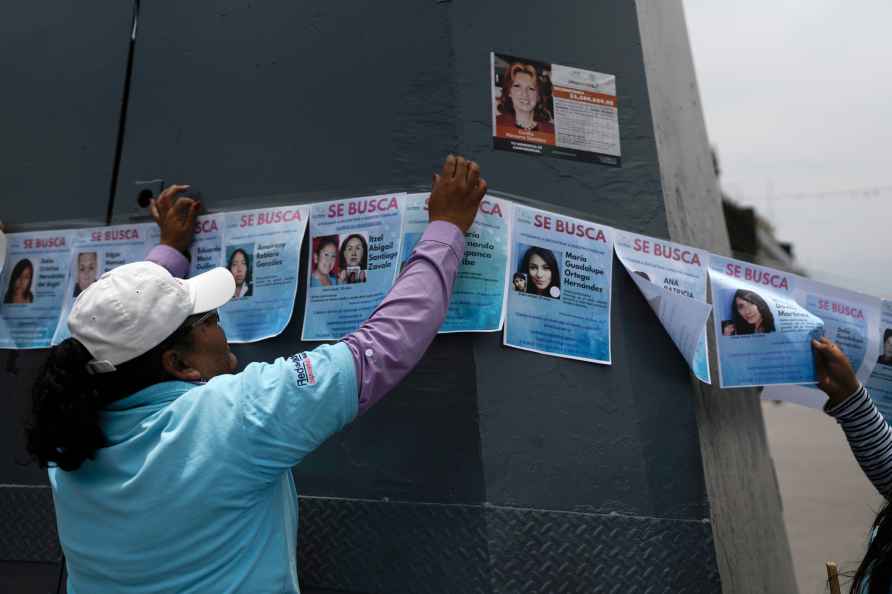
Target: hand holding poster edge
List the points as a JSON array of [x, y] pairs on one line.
[[491, 230]]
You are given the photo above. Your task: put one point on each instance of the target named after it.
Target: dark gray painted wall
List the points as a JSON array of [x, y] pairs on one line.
[[489, 469], [62, 65]]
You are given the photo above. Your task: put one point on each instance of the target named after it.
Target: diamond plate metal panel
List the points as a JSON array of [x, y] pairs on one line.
[[373, 546], [554, 552], [28, 524], [394, 547]]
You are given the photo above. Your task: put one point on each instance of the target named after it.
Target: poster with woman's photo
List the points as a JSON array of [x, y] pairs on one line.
[[97, 250], [33, 287], [540, 108], [879, 384], [559, 287], [478, 297], [762, 331], [853, 321], [672, 278], [354, 259], [261, 248]]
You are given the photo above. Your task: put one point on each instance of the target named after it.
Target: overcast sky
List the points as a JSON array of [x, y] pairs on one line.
[[798, 100]]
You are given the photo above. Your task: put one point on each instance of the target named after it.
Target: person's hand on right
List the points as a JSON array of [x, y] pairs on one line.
[[457, 192], [835, 374], [176, 217]]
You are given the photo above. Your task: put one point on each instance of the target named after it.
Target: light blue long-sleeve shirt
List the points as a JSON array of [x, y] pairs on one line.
[[200, 476]]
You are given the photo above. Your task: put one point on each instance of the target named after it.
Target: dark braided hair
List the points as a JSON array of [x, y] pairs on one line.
[[876, 567], [64, 428]]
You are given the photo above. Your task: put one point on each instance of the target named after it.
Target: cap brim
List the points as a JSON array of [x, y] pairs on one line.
[[211, 289]]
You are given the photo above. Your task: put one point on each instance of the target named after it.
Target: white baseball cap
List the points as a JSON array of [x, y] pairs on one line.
[[133, 308]]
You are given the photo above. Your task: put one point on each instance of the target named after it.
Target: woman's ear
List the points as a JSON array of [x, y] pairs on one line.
[[174, 364]]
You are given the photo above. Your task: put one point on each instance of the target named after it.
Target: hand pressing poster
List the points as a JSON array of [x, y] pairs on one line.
[[672, 278], [560, 285], [98, 250], [540, 108], [478, 295], [261, 248], [354, 257], [33, 288]]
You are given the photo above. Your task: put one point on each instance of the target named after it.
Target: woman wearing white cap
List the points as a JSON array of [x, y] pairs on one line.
[[171, 473]]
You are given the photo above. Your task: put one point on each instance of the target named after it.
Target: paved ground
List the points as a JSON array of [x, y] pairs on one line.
[[828, 503]]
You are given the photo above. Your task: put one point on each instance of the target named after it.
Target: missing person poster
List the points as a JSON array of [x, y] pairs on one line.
[[354, 259], [559, 286], [33, 285], [672, 278], [478, 295], [206, 251], [261, 248], [853, 321], [763, 331], [540, 108], [98, 250], [879, 384]]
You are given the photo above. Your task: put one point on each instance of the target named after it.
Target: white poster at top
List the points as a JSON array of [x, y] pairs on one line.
[[540, 108], [98, 250]]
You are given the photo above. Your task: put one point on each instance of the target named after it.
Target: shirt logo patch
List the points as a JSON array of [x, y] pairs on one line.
[[304, 368]]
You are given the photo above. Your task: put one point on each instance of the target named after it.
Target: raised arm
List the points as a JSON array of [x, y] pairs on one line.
[[848, 402], [391, 342], [176, 218]]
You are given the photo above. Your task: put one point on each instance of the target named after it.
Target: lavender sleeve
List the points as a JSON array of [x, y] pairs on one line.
[[170, 258], [389, 344]]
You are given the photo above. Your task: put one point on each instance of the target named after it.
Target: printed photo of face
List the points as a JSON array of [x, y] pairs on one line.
[[19, 289], [539, 267], [886, 351], [750, 314], [353, 251], [520, 282], [353, 259], [539, 272], [326, 258], [324, 261], [87, 264], [240, 267], [748, 311], [524, 94]]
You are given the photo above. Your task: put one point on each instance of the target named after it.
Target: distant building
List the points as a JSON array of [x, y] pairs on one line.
[[752, 235]]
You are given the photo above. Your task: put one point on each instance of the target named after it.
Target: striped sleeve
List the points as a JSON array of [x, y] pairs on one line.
[[869, 437]]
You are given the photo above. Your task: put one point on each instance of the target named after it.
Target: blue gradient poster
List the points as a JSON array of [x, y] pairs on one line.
[[478, 296], [206, 251], [559, 286], [354, 259], [763, 333], [33, 287], [261, 248], [879, 384], [98, 250]]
